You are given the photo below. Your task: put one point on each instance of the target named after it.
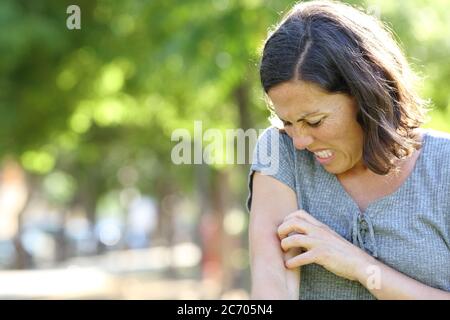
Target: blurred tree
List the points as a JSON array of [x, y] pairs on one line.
[[86, 103]]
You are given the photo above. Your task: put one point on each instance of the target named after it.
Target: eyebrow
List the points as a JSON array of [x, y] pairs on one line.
[[303, 116]]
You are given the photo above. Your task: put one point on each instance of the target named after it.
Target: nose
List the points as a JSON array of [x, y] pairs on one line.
[[301, 140]]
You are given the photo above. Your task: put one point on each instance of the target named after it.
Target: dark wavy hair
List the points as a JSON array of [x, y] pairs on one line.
[[344, 50]]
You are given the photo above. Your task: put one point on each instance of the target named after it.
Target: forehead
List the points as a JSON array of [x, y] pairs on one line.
[[300, 97]]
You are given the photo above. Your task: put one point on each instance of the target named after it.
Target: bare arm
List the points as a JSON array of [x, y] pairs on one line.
[[392, 284], [336, 254], [271, 202]]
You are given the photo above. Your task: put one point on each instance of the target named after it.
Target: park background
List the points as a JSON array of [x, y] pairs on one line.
[[91, 205]]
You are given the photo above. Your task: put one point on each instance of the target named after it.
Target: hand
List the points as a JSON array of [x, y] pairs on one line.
[[323, 246]]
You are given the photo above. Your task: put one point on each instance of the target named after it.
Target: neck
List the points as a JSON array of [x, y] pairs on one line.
[[361, 170]]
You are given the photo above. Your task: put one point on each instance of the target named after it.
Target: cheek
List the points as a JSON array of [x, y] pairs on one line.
[[342, 136], [343, 130], [330, 132]]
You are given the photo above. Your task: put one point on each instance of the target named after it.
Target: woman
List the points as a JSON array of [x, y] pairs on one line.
[[357, 206]]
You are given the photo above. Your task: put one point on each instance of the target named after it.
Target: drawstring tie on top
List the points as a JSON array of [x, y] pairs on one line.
[[363, 235]]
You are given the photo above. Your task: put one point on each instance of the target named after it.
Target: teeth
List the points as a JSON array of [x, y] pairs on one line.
[[323, 154]]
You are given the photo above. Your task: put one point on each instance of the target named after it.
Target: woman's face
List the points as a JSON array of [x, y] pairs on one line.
[[320, 122]]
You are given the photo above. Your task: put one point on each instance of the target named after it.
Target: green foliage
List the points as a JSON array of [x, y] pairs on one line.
[[110, 95]]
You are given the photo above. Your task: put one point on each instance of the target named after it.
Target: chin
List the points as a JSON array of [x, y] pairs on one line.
[[335, 170], [331, 170]]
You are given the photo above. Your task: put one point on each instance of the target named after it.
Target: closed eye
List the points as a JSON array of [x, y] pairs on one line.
[[311, 124], [315, 124]]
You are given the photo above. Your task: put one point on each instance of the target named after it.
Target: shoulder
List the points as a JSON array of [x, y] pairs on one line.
[[437, 143], [277, 147], [273, 134], [275, 142], [436, 148], [438, 136]]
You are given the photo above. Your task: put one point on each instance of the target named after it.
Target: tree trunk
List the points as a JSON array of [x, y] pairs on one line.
[[241, 279]]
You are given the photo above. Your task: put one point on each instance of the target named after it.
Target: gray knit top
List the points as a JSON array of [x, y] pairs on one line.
[[408, 230]]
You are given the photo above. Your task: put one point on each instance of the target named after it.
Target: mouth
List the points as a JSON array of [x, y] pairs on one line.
[[324, 156]]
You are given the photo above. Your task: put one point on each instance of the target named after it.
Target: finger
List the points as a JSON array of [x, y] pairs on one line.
[[316, 227], [297, 241], [302, 214], [302, 259], [295, 226]]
